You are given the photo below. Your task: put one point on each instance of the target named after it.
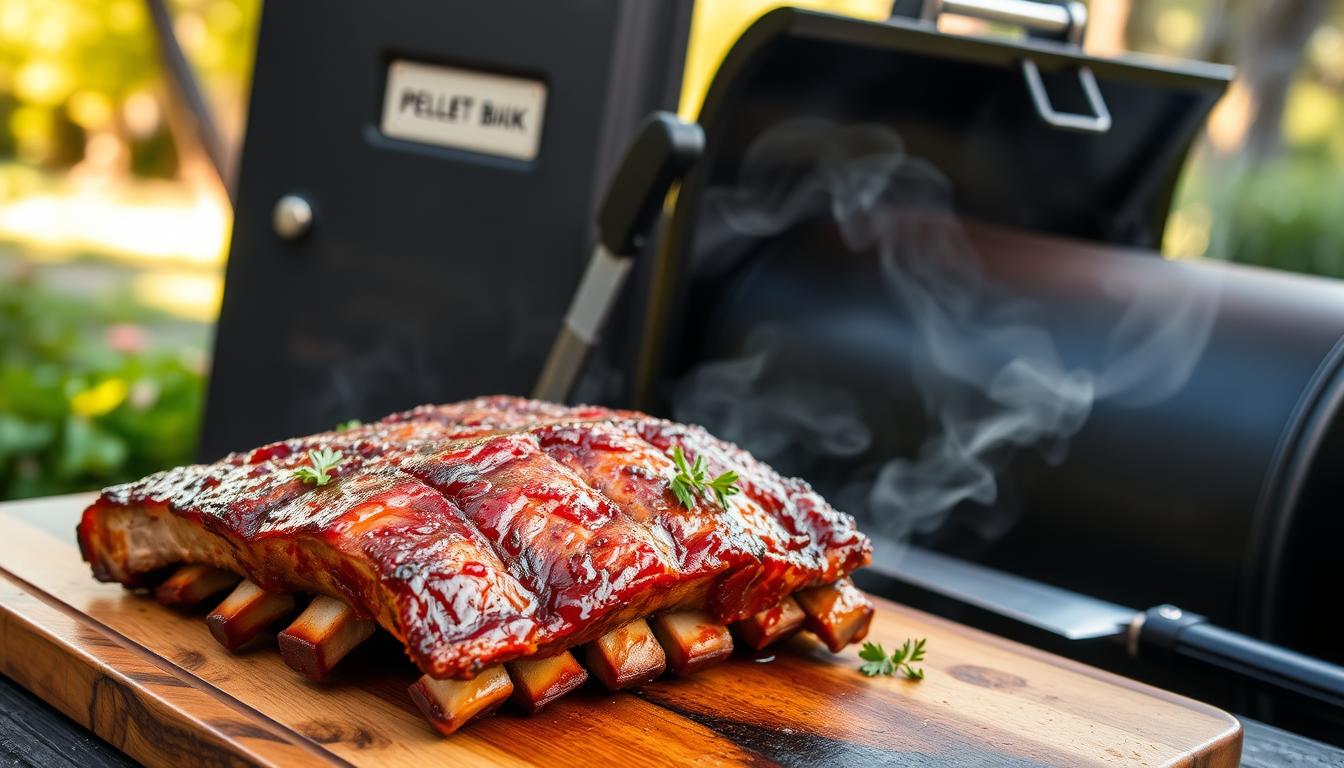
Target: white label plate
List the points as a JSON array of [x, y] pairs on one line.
[[459, 108]]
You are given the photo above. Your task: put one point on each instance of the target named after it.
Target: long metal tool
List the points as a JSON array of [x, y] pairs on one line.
[[663, 150], [1164, 628], [188, 105]]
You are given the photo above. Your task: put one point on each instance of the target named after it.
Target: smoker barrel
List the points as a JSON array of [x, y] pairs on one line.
[[1223, 497], [1219, 495]]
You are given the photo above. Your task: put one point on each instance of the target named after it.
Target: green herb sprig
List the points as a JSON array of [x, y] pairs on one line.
[[690, 481], [318, 470], [348, 425], [877, 662]]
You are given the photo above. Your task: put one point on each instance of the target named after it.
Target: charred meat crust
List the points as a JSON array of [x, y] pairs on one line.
[[488, 530]]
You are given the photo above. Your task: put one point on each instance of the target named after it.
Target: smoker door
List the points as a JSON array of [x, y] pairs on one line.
[[431, 272]]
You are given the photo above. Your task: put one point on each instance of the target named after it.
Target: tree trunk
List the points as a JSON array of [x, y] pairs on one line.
[[1107, 24], [1272, 52]]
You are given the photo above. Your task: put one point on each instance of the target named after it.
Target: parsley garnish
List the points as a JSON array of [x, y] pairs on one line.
[[318, 470], [351, 424], [877, 662], [690, 481]]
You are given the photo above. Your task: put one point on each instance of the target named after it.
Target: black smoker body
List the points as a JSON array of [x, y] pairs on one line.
[[1221, 497]]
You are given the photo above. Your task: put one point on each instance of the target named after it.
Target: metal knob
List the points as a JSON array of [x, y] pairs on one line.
[[1170, 612], [292, 217]]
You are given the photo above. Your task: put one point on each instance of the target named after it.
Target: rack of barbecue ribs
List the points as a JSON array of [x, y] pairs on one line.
[[515, 547]]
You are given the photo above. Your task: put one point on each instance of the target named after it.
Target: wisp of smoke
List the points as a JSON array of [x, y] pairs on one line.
[[732, 396], [886, 201]]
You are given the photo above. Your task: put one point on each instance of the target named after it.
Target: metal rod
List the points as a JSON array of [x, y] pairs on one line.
[[186, 97], [588, 311], [1045, 17]]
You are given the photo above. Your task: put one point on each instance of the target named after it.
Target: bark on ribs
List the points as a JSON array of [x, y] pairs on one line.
[[486, 531]]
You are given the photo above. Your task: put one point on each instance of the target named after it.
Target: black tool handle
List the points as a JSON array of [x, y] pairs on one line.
[[663, 149], [1192, 636]]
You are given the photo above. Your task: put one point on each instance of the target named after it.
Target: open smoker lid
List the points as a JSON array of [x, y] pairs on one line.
[[965, 104]]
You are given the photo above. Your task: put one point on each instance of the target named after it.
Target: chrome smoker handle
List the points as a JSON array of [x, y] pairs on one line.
[[1067, 22]]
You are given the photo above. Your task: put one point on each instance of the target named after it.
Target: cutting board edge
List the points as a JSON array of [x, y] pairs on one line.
[[120, 691]]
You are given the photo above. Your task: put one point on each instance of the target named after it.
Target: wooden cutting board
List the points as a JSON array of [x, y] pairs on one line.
[[153, 682]]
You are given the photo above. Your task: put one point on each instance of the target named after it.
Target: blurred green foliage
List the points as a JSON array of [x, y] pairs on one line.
[[83, 401], [1288, 215]]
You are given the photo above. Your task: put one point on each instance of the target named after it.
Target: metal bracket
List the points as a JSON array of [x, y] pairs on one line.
[[1097, 122]]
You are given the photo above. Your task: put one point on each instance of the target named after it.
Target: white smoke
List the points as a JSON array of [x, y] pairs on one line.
[[1024, 395], [733, 397]]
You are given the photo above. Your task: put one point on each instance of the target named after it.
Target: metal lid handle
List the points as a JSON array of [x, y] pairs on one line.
[[1097, 122], [1067, 22]]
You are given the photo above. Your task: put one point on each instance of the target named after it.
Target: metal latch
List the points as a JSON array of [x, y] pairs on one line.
[[1066, 22]]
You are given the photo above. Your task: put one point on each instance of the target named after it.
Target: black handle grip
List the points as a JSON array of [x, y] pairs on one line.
[[661, 152], [1192, 636]]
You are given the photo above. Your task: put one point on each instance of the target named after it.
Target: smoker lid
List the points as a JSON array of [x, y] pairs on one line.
[[965, 104]]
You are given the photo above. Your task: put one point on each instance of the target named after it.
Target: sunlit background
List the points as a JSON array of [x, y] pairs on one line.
[[114, 228]]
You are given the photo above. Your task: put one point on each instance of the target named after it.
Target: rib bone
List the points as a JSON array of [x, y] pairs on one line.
[[626, 656], [771, 625], [245, 613], [538, 682], [192, 584], [838, 613], [692, 640], [322, 635], [451, 704]]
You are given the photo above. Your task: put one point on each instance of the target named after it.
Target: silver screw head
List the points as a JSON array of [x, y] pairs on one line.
[[1170, 612], [292, 217]]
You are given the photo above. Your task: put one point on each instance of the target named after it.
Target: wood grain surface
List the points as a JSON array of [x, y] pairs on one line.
[[153, 682]]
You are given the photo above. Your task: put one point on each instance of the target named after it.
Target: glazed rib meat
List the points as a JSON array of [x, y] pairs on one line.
[[489, 530]]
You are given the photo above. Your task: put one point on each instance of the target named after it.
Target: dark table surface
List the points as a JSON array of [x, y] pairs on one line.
[[34, 734]]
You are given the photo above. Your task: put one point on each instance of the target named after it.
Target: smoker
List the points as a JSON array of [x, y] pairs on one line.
[[1196, 465], [1214, 486]]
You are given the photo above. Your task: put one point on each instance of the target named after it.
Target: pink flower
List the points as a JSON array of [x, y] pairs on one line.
[[127, 338]]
